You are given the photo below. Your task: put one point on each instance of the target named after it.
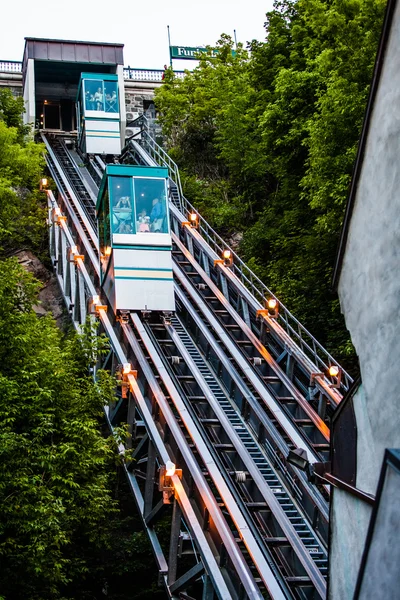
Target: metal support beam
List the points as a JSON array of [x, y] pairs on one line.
[[193, 573], [174, 543], [150, 480]]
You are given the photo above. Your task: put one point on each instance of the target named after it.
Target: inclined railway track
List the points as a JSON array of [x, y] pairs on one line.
[[260, 491], [230, 412], [260, 366]]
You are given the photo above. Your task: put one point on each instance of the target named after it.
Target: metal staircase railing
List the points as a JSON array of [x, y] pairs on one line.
[[146, 140], [309, 345]]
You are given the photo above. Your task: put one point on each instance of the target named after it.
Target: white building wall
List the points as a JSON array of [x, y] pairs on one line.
[[349, 520], [369, 291], [369, 286], [29, 93], [122, 110]]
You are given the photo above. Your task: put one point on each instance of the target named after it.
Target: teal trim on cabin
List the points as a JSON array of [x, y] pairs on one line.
[[137, 171], [139, 247], [102, 76], [113, 137], [146, 278], [140, 269], [101, 131], [107, 118], [130, 171]]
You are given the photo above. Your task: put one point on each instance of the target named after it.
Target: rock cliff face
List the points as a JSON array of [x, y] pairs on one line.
[[50, 299]]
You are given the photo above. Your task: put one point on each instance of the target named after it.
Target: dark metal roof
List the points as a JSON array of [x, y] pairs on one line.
[[71, 51], [73, 42], [391, 5]]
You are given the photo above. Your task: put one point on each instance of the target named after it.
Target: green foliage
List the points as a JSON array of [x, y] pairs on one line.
[[66, 524], [11, 110], [268, 142], [22, 213], [54, 481]]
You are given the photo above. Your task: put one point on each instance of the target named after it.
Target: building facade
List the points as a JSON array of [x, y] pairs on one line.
[[368, 283]]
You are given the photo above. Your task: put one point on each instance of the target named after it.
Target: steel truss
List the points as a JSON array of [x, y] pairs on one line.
[[222, 394]]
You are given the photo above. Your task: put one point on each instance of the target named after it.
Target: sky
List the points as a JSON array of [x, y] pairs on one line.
[[141, 26]]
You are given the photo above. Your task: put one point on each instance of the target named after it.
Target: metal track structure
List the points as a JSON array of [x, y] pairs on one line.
[[221, 393]]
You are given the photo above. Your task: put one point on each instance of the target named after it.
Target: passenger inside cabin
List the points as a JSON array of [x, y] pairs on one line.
[[111, 101], [122, 214], [157, 215], [143, 222], [98, 97], [124, 202], [124, 227]]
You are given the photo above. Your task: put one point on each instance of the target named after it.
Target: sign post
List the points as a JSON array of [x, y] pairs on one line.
[[169, 44]]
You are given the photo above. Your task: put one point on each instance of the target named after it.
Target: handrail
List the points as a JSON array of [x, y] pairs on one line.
[[155, 150], [130, 73], [148, 74], [309, 345], [10, 66]]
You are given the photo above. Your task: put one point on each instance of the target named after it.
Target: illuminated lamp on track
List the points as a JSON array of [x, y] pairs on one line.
[[335, 372], [194, 220], [272, 306]]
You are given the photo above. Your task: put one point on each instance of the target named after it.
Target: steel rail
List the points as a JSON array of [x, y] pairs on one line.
[[273, 405], [279, 442], [75, 175], [79, 229], [249, 551], [188, 458], [241, 525], [247, 492], [78, 170], [289, 531], [292, 324], [273, 324], [184, 501], [77, 204], [294, 328]]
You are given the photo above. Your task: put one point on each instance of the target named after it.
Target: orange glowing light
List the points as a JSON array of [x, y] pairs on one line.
[[272, 303], [334, 371], [126, 368], [169, 468]]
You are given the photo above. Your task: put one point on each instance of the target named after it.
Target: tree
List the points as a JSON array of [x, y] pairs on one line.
[[22, 213], [281, 128], [67, 523], [11, 110], [55, 498]]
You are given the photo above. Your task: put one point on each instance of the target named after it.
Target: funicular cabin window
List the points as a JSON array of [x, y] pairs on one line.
[[94, 94], [111, 96], [122, 204], [101, 95], [151, 205]]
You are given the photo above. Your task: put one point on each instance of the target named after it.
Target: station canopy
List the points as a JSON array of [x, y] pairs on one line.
[[62, 61]]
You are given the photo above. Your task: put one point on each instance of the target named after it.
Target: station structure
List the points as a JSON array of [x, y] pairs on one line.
[[247, 436]]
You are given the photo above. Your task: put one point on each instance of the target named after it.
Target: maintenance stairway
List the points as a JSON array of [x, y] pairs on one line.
[[220, 388]]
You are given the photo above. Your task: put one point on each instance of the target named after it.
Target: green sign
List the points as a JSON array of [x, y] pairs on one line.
[[187, 52]]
